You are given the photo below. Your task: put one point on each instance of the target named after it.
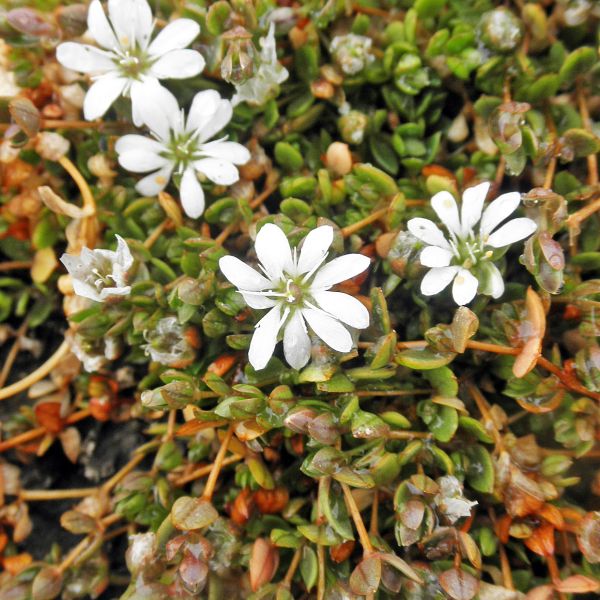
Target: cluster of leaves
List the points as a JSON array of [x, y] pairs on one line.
[[465, 439]]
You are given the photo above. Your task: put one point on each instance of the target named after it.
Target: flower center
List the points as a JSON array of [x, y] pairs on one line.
[[469, 252], [294, 292], [132, 63]]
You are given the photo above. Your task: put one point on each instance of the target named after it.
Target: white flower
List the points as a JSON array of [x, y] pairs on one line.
[[352, 52], [182, 145], [100, 274], [129, 60], [296, 289], [264, 84], [450, 499], [465, 256], [167, 343]]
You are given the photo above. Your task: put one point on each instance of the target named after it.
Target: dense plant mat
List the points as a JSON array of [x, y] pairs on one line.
[[300, 299]]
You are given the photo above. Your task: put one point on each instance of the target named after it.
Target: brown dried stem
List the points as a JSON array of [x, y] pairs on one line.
[[213, 476], [358, 522]]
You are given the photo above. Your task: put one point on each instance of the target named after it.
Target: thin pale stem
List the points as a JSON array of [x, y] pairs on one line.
[[372, 218], [592, 159], [358, 522], [15, 265], [321, 575], [213, 476], [206, 470], [12, 353], [289, 575], [156, 233], [123, 472], [37, 375], [79, 179], [40, 495]]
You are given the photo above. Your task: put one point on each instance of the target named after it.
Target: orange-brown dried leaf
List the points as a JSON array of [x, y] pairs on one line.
[[16, 563], [541, 541], [264, 561], [270, 502], [577, 584]]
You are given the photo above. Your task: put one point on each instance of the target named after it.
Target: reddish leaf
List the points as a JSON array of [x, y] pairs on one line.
[[577, 584], [366, 576], [459, 584], [541, 540], [264, 561], [48, 415]]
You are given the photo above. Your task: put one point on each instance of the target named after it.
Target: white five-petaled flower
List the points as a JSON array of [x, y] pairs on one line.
[[127, 59], [264, 84], [100, 274], [182, 145], [465, 256], [295, 287]]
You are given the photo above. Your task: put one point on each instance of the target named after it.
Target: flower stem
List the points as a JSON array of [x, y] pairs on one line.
[[351, 229], [358, 522], [123, 472], [592, 159], [37, 375], [37, 495], [206, 470], [213, 476], [14, 265], [289, 575], [78, 178], [12, 353]]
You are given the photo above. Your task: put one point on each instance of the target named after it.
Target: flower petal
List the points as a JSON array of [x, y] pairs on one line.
[[464, 287], [85, 290], [230, 151], [141, 161], [129, 20], [497, 211], [434, 256], [178, 64], [314, 248], [340, 269], [437, 279], [191, 193], [296, 343], [175, 35], [513, 231], [256, 301], [157, 107], [123, 254], [84, 58], [330, 330], [102, 93], [241, 275], [472, 205], [446, 209], [133, 142], [494, 281], [144, 21], [427, 231], [204, 105], [100, 27], [155, 182], [217, 170], [344, 307], [208, 114], [264, 339], [273, 250]]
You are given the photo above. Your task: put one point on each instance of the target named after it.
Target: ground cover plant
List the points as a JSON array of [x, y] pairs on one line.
[[299, 299]]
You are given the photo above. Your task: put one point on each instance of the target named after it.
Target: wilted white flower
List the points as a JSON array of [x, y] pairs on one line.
[[93, 354], [51, 145], [182, 145], [465, 257], [167, 343], [296, 290], [100, 274], [264, 84], [450, 499], [129, 60], [351, 52]]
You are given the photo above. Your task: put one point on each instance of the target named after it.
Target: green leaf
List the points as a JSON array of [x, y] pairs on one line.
[[474, 427], [579, 62], [309, 567], [424, 359], [189, 513], [443, 380], [480, 469]]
